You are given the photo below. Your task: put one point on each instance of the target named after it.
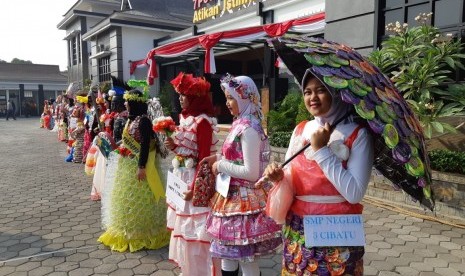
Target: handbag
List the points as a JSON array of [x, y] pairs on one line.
[[204, 186]]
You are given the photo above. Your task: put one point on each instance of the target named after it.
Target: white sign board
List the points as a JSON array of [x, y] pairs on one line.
[[175, 189], [222, 184], [334, 230]]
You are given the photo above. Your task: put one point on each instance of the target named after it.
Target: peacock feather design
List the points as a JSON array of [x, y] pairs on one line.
[[400, 152]]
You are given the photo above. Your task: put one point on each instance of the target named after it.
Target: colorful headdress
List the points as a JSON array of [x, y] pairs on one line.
[[81, 97], [244, 90], [186, 84], [118, 87], [133, 84]]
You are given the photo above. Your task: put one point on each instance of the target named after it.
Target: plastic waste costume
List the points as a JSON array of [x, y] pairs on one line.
[[194, 139], [106, 140], [63, 120], [45, 117], [239, 228], [77, 131], [330, 181], [395, 140], [137, 211]]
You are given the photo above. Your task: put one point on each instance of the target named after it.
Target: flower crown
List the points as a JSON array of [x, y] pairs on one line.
[[134, 97], [242, 89], [186, 84]]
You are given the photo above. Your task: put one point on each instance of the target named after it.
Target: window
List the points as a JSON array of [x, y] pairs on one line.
[[414, 11], [448, 12], [78, 38], [27, 94], [74, 50], [448, 16], [394, 3], [104, 69]]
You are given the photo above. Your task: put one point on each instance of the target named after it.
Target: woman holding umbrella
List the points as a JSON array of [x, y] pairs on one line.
[[328, 179]]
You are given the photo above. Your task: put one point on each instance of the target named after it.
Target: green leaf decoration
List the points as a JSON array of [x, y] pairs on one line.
[[315, 59], [391, 137], [363, 111], [335, 82]]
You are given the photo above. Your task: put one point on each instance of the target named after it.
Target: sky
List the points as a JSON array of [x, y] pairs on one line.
[[28, 31]]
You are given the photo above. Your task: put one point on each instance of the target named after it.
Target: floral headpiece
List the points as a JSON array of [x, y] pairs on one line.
[[242, 89], [186, 84], [134, 97]]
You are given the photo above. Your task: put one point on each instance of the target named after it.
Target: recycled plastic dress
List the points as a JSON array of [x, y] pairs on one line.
[[137, 212], [306, 190], [239, 228], [190, 244]]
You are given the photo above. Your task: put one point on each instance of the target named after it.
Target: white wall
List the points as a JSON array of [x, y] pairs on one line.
[[243, 21], [136, 43], [298, 9]]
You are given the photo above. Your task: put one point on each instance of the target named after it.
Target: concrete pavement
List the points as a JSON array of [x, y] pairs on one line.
[[49, 225]]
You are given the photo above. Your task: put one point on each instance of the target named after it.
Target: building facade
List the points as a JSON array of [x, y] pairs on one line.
[[28, 85], [105, 36], [162, 38], [78, 20], [230, 37], [361, 24]]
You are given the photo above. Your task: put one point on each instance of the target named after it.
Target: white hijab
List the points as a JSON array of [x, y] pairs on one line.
[[245, 92], [338, 109]]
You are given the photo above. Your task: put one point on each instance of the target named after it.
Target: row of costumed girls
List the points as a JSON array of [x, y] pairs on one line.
[[237, 205], [216, 232], [115, 135]]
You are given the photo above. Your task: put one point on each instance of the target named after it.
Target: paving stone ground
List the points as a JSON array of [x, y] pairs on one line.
[[49, 225]]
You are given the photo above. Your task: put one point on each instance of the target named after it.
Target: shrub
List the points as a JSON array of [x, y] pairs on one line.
[[283, 118], [447, 161], [165, 96], [420, 60], [302, 114], [280, 139]]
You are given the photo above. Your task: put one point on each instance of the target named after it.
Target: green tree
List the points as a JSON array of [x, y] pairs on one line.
[[20, 61], [3, 61], [420, 60]]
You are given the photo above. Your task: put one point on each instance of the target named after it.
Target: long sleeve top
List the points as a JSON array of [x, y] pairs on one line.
[[350, 182], [250, 142], [146, 134]]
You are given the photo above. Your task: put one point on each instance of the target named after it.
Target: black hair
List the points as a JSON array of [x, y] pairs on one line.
[[117, 103], [137, 108]]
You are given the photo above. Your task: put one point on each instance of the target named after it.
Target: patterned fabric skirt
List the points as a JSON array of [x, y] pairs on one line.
[[328, 261], [78, 144], [239, 227], [86, 143]]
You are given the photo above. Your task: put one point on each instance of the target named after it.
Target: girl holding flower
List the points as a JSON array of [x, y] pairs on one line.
[[193, 140]]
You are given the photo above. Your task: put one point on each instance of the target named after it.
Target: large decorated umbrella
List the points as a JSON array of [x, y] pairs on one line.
[[400, 152]]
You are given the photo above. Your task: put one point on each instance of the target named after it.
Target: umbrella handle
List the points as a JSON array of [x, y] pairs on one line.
[[263, 179]]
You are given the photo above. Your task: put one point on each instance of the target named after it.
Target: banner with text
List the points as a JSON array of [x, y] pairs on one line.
[[175, 189], [334, 230]]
